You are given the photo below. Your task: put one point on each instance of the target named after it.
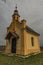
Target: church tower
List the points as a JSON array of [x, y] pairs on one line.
[[16, 15], [13, 42]]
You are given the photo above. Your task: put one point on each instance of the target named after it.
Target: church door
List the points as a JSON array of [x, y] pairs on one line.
[[14, 45]]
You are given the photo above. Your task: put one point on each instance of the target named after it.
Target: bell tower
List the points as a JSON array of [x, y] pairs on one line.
[[16, 15]]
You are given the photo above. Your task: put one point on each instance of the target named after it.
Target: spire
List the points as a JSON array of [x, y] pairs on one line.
[[16, 7], [16, 11]]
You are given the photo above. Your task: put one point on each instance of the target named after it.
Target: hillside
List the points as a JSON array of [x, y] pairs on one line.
[[17, 60]]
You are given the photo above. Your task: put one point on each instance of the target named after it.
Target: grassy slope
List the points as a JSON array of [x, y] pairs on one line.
[[14, 60]]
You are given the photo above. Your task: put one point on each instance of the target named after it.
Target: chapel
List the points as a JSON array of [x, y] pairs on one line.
[[20, 38]]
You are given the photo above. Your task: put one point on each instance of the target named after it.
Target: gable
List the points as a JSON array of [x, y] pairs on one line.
[[10, 34]]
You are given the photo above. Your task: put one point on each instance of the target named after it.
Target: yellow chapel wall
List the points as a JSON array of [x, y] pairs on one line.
[[14, 27], [28, 48], [8, 44], [18, 31]]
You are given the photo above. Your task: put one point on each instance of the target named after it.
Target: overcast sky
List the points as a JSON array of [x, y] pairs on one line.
[[31, 10]]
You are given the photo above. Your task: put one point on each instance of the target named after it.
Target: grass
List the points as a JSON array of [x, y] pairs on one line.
[[15, 60]]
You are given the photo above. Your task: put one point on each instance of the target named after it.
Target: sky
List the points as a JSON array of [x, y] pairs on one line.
[[31, 10]]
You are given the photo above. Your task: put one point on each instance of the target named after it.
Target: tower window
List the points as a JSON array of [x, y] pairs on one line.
[[17, 18], [32, 41]]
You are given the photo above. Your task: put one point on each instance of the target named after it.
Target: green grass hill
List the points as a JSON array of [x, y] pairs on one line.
[[17, 60]]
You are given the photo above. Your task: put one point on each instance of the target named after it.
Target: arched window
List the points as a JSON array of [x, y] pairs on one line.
[[32, 41]]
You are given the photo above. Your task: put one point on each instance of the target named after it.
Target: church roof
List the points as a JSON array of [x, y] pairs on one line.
[[28, 29]]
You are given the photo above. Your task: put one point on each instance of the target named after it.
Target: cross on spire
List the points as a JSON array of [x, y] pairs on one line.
[[16, 7]]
